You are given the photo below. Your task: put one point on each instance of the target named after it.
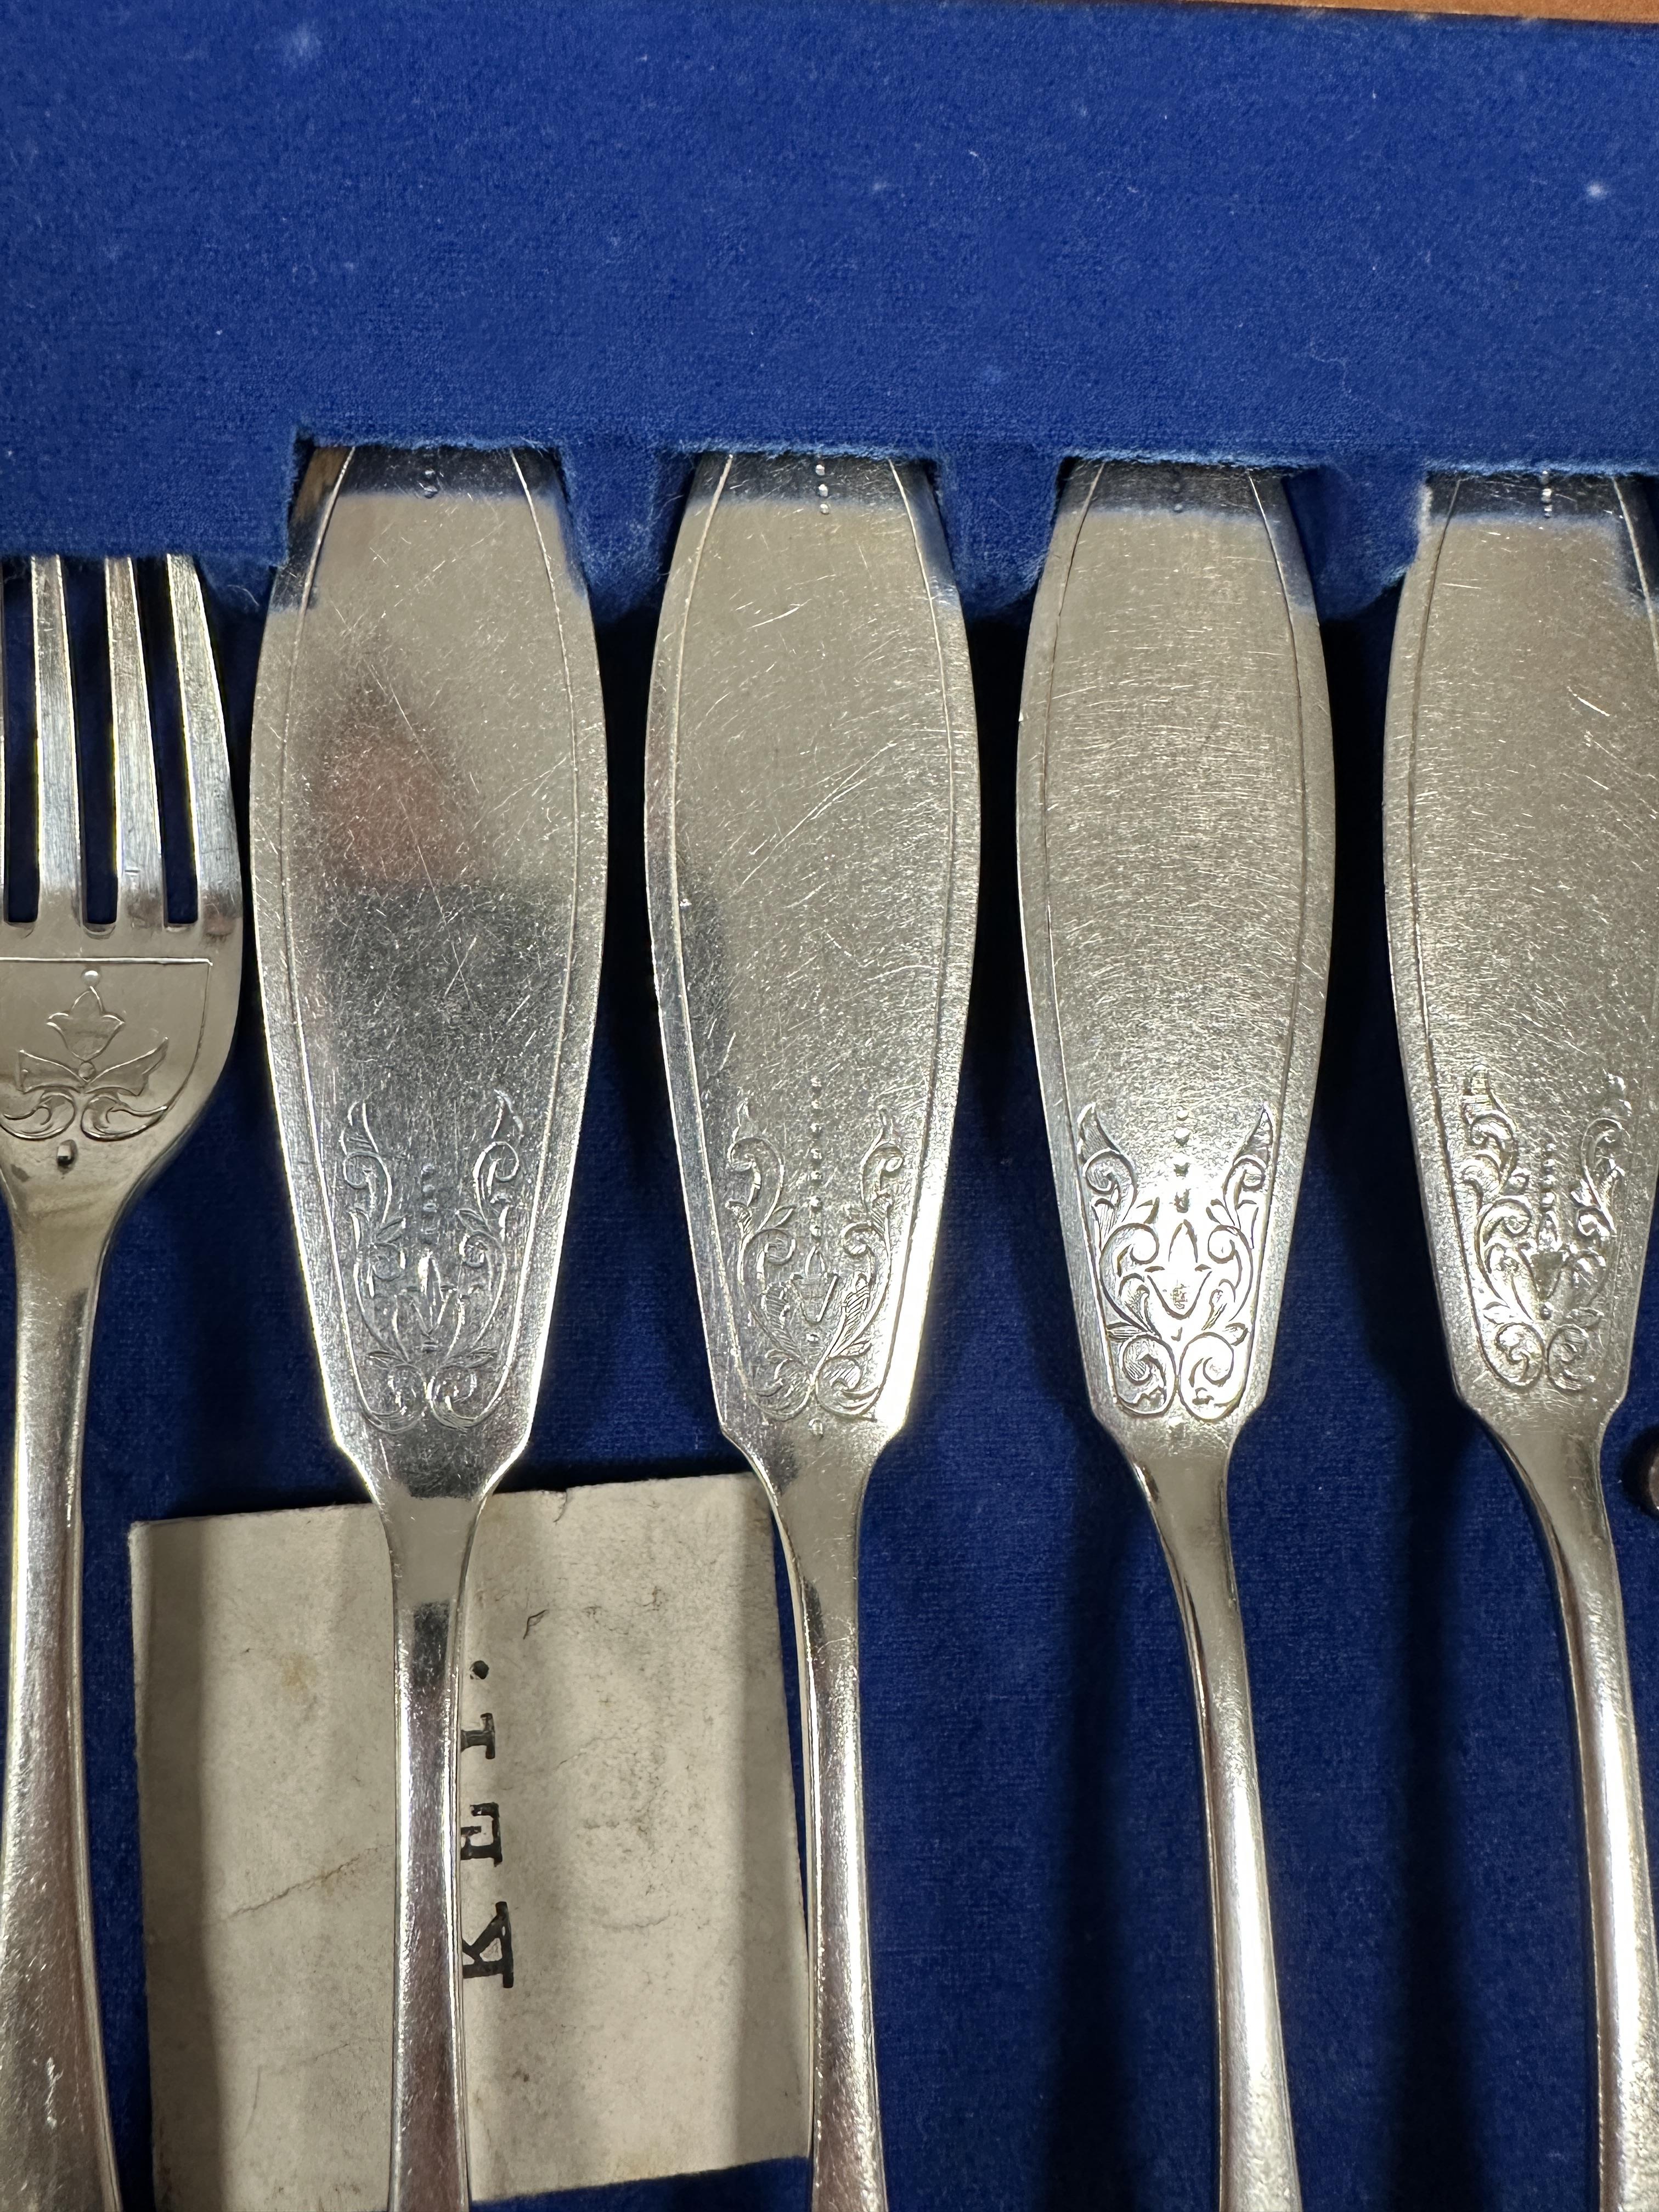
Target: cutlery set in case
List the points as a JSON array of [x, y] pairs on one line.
[[428, 830]]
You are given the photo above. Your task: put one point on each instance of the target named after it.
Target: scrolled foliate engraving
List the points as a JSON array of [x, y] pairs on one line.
[[1177, 1281], [811, 1277], [78, 1083], [435, 1251], [1539, 1237]]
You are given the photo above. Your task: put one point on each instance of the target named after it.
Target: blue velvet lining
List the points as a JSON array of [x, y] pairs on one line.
[[1352, 245], [986, 235]]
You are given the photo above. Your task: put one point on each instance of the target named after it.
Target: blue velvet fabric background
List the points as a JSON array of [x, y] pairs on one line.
[[1352, 245]]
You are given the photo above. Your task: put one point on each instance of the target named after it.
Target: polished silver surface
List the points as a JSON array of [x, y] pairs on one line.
[[428, 833], [112, 1036], [1522, 858], [811, 847], [1176, 852]]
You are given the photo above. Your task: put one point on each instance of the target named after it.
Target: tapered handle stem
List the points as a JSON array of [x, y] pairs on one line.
[[1562, 1478], [821, 1546], [431, 1540], [56, 2151], [1257, 2158]]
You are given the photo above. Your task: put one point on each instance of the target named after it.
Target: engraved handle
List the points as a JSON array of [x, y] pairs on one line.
[[431, 1539], [54, 2109], [820, 1528], [1562, 1478], [1189, 1498]]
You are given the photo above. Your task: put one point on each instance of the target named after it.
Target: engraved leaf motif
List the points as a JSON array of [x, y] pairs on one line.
[[810, 1296], [1538, 1255], [129, 1078], [1180, 1278], [1177, 1303], [105, 1101], [433, 1255]]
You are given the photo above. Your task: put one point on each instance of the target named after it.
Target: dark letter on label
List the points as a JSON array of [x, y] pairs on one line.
[[492, 1849], [484, 1733], [497, 1938]]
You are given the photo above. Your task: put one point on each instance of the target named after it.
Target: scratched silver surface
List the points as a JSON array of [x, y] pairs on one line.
[[428, 870], [813, 850], [1177, 854], [1176, 850], [813, 844], [427, 830], [1522, 843], [111, 1038]]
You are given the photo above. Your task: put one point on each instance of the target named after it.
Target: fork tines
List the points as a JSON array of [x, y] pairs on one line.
[[140, 877]]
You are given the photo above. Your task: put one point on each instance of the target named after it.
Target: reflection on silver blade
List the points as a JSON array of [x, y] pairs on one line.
[[1522, 856], [812, 845], [427, 820], [1176, 855]]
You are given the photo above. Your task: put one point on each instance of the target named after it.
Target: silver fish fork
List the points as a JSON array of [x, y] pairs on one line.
[[1522, 852], [112, 1037]]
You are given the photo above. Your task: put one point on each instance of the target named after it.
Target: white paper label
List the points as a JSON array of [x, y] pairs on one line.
[[626, 1813]]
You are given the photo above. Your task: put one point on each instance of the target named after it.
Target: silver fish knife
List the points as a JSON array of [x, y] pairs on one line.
[[1176, 852], [428, 822], [811, 844], [1522, 849]]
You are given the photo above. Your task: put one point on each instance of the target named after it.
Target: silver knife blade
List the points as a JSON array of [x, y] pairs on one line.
[[812, 841], [427, 831], [1176, 846], [429, 810], [1522, 844]]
